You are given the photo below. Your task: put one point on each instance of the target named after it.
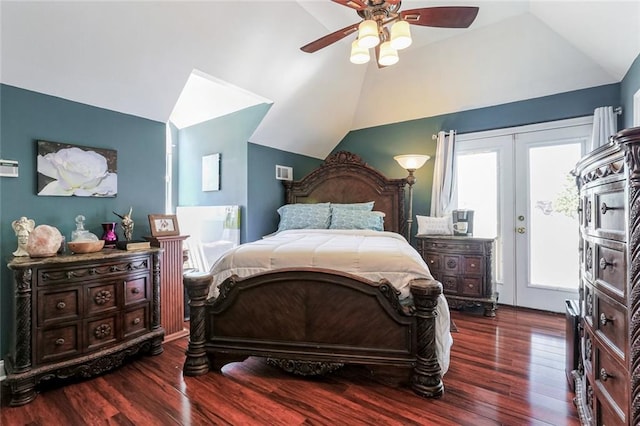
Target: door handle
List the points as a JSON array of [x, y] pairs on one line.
[[520, 230]]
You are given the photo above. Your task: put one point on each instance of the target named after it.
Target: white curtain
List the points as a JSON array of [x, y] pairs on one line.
[[605, 124], [442, 191]]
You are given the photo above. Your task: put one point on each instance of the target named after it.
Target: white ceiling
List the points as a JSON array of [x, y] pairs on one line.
[[136, 58]]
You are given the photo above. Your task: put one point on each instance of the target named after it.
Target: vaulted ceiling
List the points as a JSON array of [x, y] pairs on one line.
[[136, 57]]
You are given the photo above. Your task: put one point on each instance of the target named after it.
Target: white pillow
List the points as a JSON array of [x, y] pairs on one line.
[[428, 225]]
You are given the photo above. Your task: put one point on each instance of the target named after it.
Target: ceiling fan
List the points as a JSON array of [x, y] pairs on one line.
[[373, 32]]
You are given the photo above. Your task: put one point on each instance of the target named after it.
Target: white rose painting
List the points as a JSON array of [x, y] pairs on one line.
[[66, 170]]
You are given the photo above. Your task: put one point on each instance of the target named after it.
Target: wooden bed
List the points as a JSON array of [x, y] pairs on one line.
[[311, 321]]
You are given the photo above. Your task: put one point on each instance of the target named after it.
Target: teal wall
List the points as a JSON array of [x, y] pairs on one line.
[[628, 87], [228, 136], [378, 145], [265, 192], [26, 117]]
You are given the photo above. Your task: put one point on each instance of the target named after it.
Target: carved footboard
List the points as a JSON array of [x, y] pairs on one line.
[[310, 315]]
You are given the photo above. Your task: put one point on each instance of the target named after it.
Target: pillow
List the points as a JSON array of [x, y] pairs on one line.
[[368, 206], [304, 216], [428, 225], [356, 219]]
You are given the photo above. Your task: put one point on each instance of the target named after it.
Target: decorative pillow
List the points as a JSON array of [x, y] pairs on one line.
[[354, 206], [304, 216], [356, 219], [428, 225]]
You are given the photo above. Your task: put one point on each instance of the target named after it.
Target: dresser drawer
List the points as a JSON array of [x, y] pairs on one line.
[[607, 416], [611, 267], [58, 306], [136, 289], [612, 381], [610, 323], [609, 211], [136, 321], [100, 332], [101, 297], [58, 343], [74, 273]]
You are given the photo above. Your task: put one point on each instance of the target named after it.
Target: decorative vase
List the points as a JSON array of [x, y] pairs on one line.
[[109, 235]]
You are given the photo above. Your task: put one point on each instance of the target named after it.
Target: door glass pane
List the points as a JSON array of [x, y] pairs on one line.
[[477, 190], [553, 224]]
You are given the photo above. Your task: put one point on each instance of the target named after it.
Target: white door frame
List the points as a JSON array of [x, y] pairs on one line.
[[502, 142]]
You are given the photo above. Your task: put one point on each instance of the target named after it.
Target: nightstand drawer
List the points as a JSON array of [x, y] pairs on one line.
[[473, 265], [471, 286], [451, 264], [433, 262], [612, 380], [609, 211], [136, 290], [610, 267], [449, 284], [610, 323], [135, 321]]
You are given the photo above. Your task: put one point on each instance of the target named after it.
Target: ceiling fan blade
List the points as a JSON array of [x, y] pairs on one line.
[[353, 4], [443, 17], [330, 38]]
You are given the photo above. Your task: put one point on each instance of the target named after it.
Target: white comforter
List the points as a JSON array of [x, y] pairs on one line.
[[368, 254]]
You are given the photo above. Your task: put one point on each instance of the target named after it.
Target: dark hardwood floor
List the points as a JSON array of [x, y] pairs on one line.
[[507, 370]]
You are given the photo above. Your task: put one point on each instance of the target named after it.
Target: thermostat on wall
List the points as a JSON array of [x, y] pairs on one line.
[[8, 168]]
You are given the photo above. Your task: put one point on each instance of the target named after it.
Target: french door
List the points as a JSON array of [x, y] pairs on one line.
[[519, 184]]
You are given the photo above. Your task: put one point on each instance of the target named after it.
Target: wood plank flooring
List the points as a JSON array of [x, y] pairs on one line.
[[507, 370]]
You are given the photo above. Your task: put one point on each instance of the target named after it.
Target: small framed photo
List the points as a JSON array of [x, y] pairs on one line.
[[164, 225]]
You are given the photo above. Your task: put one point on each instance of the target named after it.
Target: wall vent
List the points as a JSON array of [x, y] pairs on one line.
[[284, 172]]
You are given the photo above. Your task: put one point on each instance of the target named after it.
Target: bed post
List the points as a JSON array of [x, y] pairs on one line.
[[197, 285], [426, 379]]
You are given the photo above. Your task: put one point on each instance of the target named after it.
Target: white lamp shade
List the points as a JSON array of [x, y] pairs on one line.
[[411, 161], [388, 55], [400, 35], [359, 55], [368, 36]]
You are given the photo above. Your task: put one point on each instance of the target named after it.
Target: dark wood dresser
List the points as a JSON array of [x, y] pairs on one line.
[[79, 315], [464, 266], [608, 381]]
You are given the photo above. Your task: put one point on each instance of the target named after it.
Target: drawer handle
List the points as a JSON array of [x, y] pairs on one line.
[[61, 305], [136, 321], [135, 290], [604, 263], [604, 320], [432, 262], [604, 376], [604, 208], [470, 285], [59, 342], [473, 265]]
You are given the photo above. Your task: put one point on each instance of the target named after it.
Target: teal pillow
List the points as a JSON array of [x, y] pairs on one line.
[[304, 216], [356, 219]]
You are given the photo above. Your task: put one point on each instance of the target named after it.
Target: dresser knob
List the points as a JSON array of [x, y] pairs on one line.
[[604, 320], [136, 321], [604, 208], [59, 342], [604, 376], [470, 285], [61, 305], [473, 265], [604, 263], [135, 290]]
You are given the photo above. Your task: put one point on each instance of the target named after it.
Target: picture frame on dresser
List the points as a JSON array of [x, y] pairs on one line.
[[164, 225]]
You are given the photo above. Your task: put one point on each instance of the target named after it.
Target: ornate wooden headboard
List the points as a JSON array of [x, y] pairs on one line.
[[344, 177]]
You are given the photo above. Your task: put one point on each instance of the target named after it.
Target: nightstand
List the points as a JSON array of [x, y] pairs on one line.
[[464, 266]]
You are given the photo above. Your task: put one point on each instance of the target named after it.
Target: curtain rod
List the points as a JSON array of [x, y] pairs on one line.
[[435, 136], [617, 110]]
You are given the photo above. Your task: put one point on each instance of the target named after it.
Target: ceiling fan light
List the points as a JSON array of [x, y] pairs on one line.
[[400, 35], [368, 34], [359, 55], [388, 55]]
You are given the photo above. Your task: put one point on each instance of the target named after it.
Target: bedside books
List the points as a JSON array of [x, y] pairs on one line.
[[133, 245]]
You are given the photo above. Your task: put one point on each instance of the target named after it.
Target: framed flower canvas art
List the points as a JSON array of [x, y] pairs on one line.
[[73, 170]]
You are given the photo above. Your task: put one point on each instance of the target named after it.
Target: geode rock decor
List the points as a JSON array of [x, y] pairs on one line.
[[44, 241]]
